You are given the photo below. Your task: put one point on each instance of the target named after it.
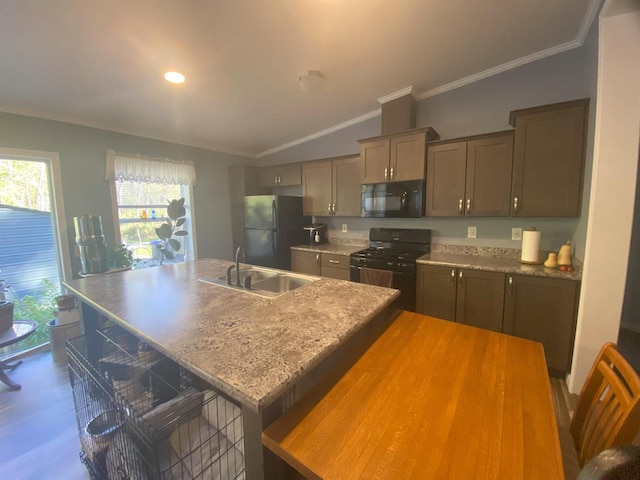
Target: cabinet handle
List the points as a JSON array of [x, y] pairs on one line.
[[468, 205], [510, 283], [317, 258], [329, 209], [334, 261], [275, 179], [460, 206], [386, 170], [279, 179], [460, 278], [392, 174], [333, 208], [453, 277], [515, 204]]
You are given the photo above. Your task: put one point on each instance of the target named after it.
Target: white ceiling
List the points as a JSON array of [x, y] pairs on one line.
[[100, 62]]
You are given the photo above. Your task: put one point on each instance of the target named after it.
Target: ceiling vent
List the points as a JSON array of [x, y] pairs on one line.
[[398, 111]]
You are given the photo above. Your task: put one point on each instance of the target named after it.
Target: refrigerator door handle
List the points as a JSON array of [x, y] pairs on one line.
[[274, 223]]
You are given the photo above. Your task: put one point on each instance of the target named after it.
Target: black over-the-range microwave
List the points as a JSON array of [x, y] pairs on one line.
[[394, 199]]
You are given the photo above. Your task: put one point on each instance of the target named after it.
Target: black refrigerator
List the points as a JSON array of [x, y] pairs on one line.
[[272, 224]]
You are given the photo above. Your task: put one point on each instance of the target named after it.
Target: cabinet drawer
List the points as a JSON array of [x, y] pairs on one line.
[[337, 273], [335, 260]]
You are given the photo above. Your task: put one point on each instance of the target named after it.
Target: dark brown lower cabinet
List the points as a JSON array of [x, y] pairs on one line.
[[543, 309], [305, 262], [480, 299], [436, 291], [471, 297]]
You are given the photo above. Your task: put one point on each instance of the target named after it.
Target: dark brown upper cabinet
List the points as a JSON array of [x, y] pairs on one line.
[[548, 159], [287, 175], [332, 187], [470, 176], [397, 157]]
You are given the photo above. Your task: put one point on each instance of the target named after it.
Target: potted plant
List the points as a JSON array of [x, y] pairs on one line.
[[119, 256], [171, 228]]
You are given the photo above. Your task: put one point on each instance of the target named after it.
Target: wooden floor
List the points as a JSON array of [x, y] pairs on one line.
[[38, 432]]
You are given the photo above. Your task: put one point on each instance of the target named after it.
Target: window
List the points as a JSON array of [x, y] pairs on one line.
[[142, 188]]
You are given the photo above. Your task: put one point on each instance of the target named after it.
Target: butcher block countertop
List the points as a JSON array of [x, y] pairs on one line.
[[429, 399], [252, 348]]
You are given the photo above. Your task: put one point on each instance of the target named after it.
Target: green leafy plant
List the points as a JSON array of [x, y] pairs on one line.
[[119, 256], [40, 309], [171, 228]]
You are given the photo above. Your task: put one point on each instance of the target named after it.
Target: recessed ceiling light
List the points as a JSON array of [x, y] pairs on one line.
[[174, 77]]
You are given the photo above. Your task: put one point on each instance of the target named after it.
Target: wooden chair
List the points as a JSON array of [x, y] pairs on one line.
[[608, 410]]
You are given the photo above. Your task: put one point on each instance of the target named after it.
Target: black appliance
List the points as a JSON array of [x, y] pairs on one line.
[[395, 250], [394, 199], [272, 224], [317, 233]]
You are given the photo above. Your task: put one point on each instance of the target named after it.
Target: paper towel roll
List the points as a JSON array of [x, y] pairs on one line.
[[530, 246]]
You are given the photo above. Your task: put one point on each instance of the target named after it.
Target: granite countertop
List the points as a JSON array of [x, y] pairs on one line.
[[495, 260], [330, 248], [251, 348]]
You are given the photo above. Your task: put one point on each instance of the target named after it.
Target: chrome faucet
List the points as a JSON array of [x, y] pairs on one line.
[[238, 264]]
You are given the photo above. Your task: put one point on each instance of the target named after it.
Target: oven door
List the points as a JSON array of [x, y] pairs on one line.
[[403, 280]]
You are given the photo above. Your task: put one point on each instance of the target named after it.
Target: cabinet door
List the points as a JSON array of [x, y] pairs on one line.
[[337, 273], [436, 291], [289, 175], [305, 262], [480, 299], [375, 158], [406, 159], [316, 188], [446, 171], [488, 185], [544, 310], [548, 161], [347, 177], [268, 176]]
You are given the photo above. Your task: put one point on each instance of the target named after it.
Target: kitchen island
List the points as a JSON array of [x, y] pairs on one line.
[[255, 350]]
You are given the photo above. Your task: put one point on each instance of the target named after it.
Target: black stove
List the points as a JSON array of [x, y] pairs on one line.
[[395, 250]]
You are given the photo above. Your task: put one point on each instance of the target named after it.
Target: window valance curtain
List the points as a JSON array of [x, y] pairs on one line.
[[138, 168]]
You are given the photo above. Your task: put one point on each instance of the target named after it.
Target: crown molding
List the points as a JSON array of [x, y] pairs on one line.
[[322, 133], [400, 93]]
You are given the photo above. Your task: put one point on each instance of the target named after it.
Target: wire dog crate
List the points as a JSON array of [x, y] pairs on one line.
[[141, 416]]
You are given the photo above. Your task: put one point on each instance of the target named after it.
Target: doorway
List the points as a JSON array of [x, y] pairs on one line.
[[32, 260]]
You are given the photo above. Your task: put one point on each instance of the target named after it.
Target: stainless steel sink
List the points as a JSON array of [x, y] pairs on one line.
[[282, 283], [264, 282], [256, 275]]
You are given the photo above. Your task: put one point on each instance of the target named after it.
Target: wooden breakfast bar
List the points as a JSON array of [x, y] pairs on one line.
[[429, 399]]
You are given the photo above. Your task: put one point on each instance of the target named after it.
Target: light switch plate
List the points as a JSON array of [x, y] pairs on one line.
[[344, 228], [516, 234], [471, 232]]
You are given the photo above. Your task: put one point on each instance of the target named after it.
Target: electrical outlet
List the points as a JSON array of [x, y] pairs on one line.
[[344, 228], [516, 234], [471, 232]]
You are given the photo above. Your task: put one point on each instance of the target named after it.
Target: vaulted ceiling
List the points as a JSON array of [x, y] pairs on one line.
[[101, 63]]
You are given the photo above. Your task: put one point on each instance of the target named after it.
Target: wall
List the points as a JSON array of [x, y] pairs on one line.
[[613, 190], [477, 108], [82, 162]]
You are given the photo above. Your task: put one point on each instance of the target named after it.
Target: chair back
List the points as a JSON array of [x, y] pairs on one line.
[[608, 410]]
